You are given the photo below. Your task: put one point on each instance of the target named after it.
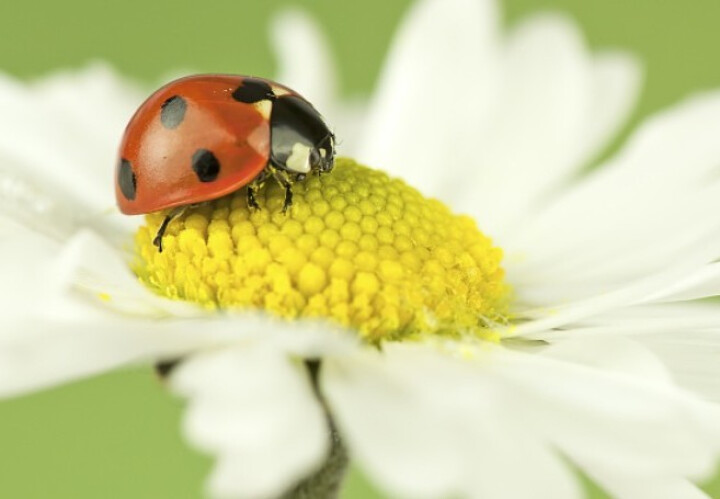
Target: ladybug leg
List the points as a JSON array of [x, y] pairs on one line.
[[288, 198], [282, 178], [251, 201], [252, 190], [174, 213]]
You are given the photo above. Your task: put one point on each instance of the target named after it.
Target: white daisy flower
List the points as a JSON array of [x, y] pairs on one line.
[[438, 381]]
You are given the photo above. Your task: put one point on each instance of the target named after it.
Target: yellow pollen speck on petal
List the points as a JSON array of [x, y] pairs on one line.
[[357, 247]]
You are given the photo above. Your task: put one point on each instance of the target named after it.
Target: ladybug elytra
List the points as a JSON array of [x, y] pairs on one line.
[[201, 137]]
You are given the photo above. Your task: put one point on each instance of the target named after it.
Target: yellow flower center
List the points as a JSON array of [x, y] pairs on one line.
[[357, 247]]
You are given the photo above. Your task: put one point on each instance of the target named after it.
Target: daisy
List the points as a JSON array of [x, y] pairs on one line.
[[448, 361]]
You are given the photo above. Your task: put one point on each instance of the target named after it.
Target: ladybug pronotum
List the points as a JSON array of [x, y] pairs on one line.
[[201, 137]]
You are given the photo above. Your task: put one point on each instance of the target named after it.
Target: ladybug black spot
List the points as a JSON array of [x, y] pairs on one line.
[[126, 179], [205, 165], [172, 111], [252, 91]]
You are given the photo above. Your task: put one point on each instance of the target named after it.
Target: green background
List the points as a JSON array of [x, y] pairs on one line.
[[116, 436]]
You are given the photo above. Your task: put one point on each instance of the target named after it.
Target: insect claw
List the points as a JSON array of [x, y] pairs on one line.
[[251, 201], [158, 242], [174, 213], [287, 204]]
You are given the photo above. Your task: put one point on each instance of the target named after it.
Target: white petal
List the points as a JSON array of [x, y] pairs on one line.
[[46, 353], [78, 118], [37, 352], [538, 119], [643, 212], [608, 352], [434, 92], [76, 309], [99, 275], [686, 338], [256, 411], [616, 78], [304, 60], [655, 427], [35, 207], [637, 321], [603, 418], [306, 65], [702, 283], [639, 292], [51, 334], [347, 120], [89, 265], [692, 356], [423, 425], [23, 266], [656, 318], [58, 147], [529, 120]]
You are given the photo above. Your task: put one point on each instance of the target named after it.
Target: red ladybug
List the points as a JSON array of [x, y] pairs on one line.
[[201, 137]]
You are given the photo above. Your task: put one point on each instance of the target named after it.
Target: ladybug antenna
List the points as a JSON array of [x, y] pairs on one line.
[[174, 213]]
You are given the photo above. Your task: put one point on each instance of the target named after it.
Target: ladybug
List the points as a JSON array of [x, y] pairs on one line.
[[201, 137]]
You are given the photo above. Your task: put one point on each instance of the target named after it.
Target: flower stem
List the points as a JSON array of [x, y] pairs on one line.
[[326, 482]]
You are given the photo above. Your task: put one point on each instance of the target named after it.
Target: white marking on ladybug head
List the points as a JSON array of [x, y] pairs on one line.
[[299, 159], [264, 107], [279, 91]]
